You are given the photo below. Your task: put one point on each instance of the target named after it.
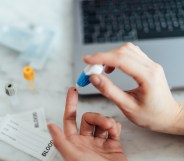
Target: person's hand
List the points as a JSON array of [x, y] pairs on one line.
[[98, 139], [151, 104]]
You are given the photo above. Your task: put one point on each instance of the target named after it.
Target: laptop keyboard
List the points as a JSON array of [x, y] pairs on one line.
[[127, 20]]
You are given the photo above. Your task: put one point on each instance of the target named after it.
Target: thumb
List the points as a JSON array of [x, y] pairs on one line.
[[108, 89], [59, 139]]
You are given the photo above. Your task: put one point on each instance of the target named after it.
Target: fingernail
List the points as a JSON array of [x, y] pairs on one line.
[[95, 80]]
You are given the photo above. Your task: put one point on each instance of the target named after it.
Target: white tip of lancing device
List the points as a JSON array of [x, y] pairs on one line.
[[77, 86], [93, 69]]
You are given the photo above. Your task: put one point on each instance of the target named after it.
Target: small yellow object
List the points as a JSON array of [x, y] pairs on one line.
[[29, 75]]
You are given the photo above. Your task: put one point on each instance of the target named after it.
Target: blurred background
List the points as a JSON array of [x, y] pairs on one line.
[[41, 33]]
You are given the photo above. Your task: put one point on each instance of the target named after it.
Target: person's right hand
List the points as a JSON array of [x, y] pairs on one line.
[[151, 104]]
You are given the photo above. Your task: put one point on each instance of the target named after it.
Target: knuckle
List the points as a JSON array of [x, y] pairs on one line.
[[96, 114], [111, 120], [86, 114], [71, 116], [137, 47], [159, 68], [105, 90], [97, 54], [122, 50], [155, 72], [128, 45]]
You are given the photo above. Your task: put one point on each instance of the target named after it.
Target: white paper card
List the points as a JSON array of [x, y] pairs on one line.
[[36, 143], [36, 118]]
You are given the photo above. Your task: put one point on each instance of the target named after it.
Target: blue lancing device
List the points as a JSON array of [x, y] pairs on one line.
[[83, 79]]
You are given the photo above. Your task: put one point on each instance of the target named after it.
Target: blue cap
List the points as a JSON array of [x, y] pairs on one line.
[[83, 80]]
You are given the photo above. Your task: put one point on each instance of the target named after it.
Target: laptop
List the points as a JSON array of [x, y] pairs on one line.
[[156, 26]]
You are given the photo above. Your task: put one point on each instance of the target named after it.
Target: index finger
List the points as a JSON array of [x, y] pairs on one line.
[[126, 58], [70, 127]]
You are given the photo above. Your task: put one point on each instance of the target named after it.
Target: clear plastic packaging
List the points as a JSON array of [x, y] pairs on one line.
[[33, 44]]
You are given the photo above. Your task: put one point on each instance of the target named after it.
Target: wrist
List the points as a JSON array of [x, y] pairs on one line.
[[178, 125], [174, 121]]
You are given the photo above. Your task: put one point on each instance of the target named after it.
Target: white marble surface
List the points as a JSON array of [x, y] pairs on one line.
[[53, 81]]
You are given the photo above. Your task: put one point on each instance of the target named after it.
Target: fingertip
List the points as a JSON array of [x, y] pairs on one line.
[[114, 133], [87, 58], [109, 124], [72, 89], [108, 69], [50, 126], [72, 95], [95, 80], [58, 137], [105, 122], [53, 129], [75, 89]]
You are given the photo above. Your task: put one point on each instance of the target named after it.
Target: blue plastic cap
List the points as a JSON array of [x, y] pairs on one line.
[[83, 80]]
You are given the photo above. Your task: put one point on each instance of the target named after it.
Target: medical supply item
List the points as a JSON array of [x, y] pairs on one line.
[[33, 44], [11, 91], [15, 38], [83, 79], [29, 75], [29, 140]]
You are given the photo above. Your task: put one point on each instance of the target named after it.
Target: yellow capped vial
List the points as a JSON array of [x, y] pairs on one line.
[[29, 75]]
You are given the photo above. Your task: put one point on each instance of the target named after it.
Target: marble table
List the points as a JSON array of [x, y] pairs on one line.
[[56, 77]]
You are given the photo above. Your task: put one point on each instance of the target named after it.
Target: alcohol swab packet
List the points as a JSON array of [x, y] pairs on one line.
[[18, 134]]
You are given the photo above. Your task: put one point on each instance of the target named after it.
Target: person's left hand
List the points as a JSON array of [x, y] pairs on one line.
[[98, 139]]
